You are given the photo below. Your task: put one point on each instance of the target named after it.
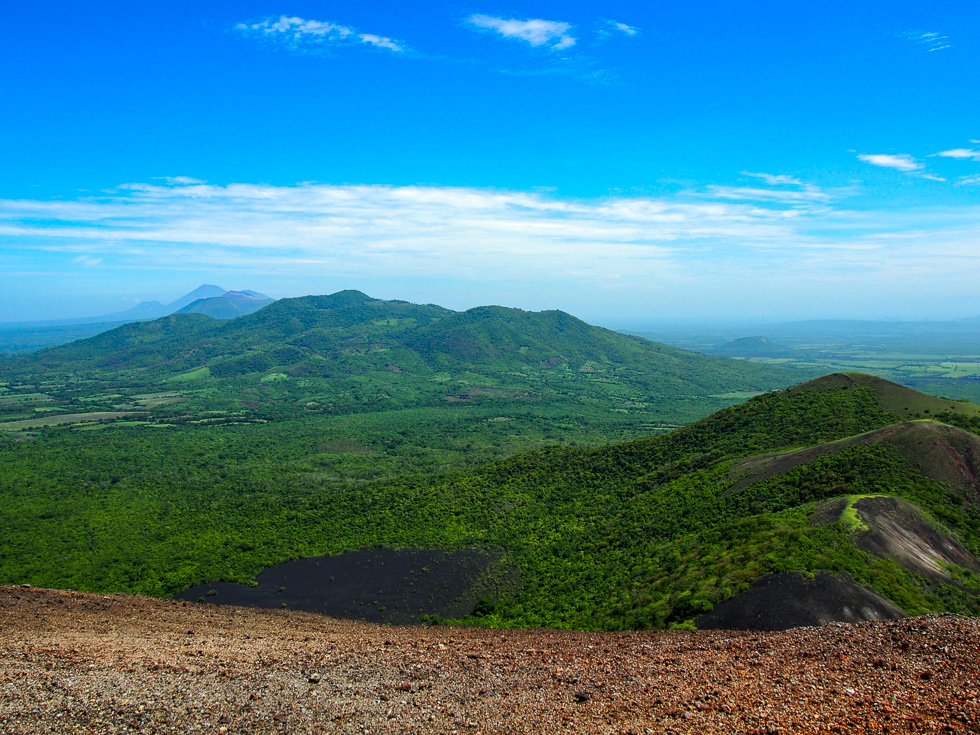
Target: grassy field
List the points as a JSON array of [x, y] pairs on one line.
[[64, 418], [941, 358]]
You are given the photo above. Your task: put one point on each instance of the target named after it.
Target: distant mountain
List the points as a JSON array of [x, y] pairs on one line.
[[201, 292], [350, 333], [143, 310], [229, 305], [29, 336]]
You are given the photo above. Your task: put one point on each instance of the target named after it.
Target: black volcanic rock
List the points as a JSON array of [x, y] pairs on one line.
[[790, 600]]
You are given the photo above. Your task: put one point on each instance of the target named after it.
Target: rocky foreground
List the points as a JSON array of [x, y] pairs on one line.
[[73, 662]]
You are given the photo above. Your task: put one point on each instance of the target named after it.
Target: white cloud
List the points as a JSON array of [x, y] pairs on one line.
[[87, 261], [623, 28], [930, 41], [180, 180], [300, 34], [900, 162], [535, 31], [786, 196], [961, 153], [774, 179], [452, 231], [717, 242], [380, 42], [365, 230]]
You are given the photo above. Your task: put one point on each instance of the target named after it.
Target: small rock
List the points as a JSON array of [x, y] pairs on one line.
[[582, 696], [314, 678]]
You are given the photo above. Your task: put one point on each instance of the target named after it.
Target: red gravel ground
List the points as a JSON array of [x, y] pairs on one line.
[[82, 663]]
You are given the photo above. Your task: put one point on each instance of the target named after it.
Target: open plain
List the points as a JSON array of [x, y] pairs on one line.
[[73, 662]]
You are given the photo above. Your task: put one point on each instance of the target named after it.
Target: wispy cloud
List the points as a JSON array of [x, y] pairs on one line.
[[963, 153], [714, 243], [302, 35], [537, 32], [179, 180], [454, 232], [87, 261], [615, 25], [810, 194], [930, 41], [774, 179], [899, 162], [786, 190]]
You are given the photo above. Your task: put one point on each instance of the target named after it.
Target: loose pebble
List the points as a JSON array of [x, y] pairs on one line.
[[79, 663]]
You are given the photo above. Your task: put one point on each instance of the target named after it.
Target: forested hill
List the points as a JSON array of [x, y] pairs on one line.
[[848, 473], [349, 333]]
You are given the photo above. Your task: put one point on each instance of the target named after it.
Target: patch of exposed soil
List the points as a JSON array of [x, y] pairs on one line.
[[763, 467], [80, 663], [940, 452], [378, 585], [945, 454], [897, 530], [790, 600]]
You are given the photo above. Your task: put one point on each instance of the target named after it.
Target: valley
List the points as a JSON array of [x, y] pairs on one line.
[[937, 357]]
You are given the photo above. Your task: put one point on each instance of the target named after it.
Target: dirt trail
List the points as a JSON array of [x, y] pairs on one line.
[[79, 663]]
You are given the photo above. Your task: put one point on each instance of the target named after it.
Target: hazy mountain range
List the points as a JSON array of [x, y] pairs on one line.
[[207, 299]]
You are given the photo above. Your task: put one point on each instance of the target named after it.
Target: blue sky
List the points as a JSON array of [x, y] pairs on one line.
[[624, 161]]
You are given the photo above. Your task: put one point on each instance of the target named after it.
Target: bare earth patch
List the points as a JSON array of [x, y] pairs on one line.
[[73, 662]]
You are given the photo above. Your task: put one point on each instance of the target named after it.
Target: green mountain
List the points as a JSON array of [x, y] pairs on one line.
[[348, 353], [35, 335], [358, 333], [860, 483]]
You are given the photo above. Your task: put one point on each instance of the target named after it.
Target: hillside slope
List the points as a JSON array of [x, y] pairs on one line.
[[355, 333], [348, 353], [648, 533], [172, 667]]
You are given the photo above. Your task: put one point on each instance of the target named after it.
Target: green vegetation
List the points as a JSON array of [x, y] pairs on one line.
[[850, 517], [942, 359], [650, 532], [195, 374], [348, 357], [208, 451]]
